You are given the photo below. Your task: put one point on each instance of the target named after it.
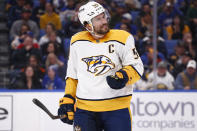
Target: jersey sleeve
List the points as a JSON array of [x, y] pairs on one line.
[[72, 63], [71, 86], [71, 76], [131, 60]]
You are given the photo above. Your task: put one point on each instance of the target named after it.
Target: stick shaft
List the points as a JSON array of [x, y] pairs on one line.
[[45, 109]]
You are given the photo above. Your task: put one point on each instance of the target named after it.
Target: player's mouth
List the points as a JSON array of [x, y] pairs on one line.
[[104, 27]]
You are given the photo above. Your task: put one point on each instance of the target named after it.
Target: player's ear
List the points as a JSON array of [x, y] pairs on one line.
[[87, 26]]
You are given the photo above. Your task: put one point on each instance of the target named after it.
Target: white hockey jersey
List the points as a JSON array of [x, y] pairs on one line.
[[91, 61]]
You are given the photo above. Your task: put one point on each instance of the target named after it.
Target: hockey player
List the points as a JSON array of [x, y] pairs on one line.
[[102, 65]]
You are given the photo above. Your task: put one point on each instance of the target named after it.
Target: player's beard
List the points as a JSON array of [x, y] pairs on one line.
[[102, 30]]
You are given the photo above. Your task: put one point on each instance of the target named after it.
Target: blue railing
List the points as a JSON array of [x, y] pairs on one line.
[[166, 91], [62, 90]]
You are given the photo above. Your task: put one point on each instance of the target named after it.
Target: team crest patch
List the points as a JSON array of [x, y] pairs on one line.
[[98, 65], [77, 128]]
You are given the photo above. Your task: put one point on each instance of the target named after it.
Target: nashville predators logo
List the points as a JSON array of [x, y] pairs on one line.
[[98, 64]]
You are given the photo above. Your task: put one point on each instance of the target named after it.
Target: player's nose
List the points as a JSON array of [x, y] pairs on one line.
[[104, 21]]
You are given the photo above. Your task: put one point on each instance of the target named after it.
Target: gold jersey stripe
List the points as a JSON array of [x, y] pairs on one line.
[[113, 35], [104, 105], [132, 74]]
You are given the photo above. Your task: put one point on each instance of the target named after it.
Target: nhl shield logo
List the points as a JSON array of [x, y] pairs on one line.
[[98, 65]]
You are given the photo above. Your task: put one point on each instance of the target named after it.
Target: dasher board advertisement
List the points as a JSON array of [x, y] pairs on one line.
[[6, 117], [151, 111]]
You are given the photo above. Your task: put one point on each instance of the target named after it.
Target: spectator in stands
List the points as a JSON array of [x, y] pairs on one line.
[[50, 17], [67, 11], [180, 63], [125, 27], [29, 6], [27, 80], [28, 42], [178, 52], [72, 26], [147, 58], [168, 13], [24, 32], [16, 27], [52, 80], [63, 5], [104, 3], [146, 8], [38, 11], [53, 38], [52, 60], [52, 48], [145, 25], [127, 19], [141, 84], [36, 64], [177, 29], [192, 11], [147, 42], [21, 55], [20, 38], [117, 10], [15, 11], [133, 4], [49, 30], [10, 3], [59, 3], [189, 44], [162, 80], [192, 18], [187, 80], [183, 6]]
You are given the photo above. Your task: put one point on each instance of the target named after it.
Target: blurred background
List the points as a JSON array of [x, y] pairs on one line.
[[34, 46], [35, 36]]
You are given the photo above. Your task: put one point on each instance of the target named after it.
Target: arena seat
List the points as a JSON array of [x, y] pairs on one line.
[[170, 45]]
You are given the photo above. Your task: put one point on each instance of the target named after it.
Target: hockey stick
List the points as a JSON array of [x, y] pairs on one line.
[[44, 108]]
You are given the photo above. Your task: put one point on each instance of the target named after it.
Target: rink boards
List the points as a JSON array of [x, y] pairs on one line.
[[155, 111]]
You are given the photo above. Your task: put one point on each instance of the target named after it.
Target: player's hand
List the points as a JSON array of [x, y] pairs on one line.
[[118, 81], [67, 108]]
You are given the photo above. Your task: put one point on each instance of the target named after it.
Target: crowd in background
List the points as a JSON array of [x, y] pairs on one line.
[[40, 32]]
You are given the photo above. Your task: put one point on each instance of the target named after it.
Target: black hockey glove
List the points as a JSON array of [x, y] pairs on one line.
[[115, 82], [67, 108]]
